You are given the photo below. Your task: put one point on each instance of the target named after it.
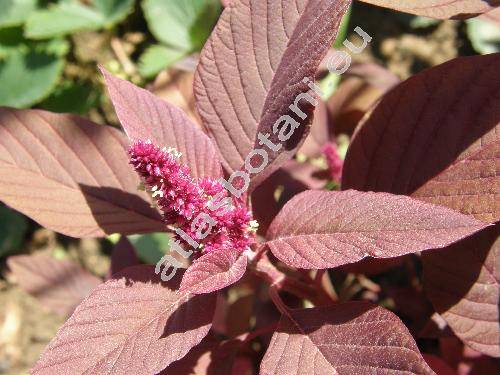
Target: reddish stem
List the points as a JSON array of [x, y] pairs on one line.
[[263, 268], [259, 332], [319, 277], [278, 302]]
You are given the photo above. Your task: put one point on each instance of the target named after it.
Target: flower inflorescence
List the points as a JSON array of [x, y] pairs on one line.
[[182, 198], [334, 162]]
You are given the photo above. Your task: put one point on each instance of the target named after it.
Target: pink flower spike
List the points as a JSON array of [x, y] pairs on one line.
[[334, 162], [181, 198]]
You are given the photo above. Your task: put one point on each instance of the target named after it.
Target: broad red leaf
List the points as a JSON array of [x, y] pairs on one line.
[[436, 136], [371, 266], [252, 69], [467, 361], [60, 285], [345, 339], [437, 139], [442, 9], [292, 178], [145, 116], [123, 256], [71, 175], [176, 87], [214, 271], [462, 282], [319, 134], [361, 87], [439, 366], [435, 328], [196, 362], [493, 16], [470, 185], [209, 357], [373, 74], [133, 324], [321, 229]]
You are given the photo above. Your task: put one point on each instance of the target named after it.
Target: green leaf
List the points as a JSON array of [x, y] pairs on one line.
[[13, 41], [150, 247], [61, 19], [15, 12], [28, 77], [156, 58], [184, 25], [71, 97], [420, 22], [114, 11], [28, 70], [13, 227], [484, 35], [59, 47], [70, 16]]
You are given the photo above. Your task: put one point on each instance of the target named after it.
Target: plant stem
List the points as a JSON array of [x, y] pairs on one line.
[[259, 332], [318, 277], [263, 268], [278, 302], [121, 55]]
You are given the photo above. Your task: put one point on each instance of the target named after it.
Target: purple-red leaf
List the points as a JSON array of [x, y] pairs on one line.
[[133, 324], [213, 271], [321, 229], [145, 116], [71, 175], [470, 185], [123, 256], [462, 284], [439, 366], [435, 136], [209, 357], [493, 16], [441, 9], [252, 68], [176, 87], [196, 362], [345, 339], [361, 87], [319, 134], [60, 285], [292, 178]]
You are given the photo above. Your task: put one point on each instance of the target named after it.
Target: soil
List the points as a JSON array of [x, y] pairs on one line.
[[26, 328]]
